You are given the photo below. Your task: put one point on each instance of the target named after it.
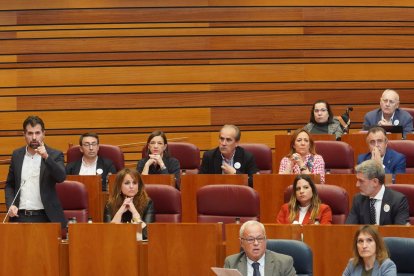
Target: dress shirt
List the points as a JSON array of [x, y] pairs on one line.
[[88, 169], [261, 261], [378, 203], [30, 191]]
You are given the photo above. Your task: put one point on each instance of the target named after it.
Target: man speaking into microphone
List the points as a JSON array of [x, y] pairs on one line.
[[34, 171]]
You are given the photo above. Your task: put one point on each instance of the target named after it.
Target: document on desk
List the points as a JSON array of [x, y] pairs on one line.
[[219, 271]]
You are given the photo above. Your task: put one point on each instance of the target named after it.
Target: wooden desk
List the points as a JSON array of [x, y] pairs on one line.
[[185, 249], [404, 179], [103, 249], [96, 197], [29, 249], [191, 183], [271, 188]]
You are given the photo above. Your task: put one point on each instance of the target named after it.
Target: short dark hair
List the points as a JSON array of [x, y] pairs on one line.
[[88, 134], [33, 121], [375, 129], [328, 107]]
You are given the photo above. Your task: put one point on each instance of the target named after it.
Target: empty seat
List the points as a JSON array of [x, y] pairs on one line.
[[167, 202], [262, 155], [338, 156], [401, 253], [111, 152], [224, 203], [299, 251], [336, 197], [73, 197], [405, 147]]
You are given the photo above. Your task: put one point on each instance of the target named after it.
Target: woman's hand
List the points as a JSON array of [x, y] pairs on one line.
[[157, 159], [297, 159], [127, 205]]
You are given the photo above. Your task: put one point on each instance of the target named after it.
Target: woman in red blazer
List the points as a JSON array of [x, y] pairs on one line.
[[304, 206]]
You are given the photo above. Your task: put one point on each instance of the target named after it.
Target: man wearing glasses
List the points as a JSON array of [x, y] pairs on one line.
[[392, 161], [91, 163], [255, 260], [389, 114]]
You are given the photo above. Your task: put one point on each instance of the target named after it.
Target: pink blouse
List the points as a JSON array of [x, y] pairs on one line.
[[315, 164]]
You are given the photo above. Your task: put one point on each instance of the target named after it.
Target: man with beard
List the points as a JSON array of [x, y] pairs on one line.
[[228, 157], [34, 171]]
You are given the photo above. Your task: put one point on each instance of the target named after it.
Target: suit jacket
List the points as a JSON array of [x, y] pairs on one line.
[[106, 165], [275, 264], [324, 215], [52, 171], [401, 118], [397, 213], [394, 161], [212, 160], [387, 268]]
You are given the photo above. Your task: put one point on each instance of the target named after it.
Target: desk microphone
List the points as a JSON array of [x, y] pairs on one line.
[[14, 199]]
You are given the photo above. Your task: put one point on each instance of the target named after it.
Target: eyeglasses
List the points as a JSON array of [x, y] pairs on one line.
[[321, 110], [376, 142], [87, 145], [251, 240]]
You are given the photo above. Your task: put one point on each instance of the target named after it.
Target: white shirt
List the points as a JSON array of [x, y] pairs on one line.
[[261, 262], [302, 213], [88, 169], [378, 203], [390, 121], [30, 186]]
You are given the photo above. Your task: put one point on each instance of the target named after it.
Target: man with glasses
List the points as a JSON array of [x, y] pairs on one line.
[[91, 163], [255, 260], [376, 204], [392, 161], [389, 114]]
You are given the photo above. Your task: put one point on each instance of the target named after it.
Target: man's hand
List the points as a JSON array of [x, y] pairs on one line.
[[227, 169], [376, 155], [41, 150], [13, 211]]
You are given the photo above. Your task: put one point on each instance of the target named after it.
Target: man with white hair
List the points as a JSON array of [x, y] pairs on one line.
[[389, 113]]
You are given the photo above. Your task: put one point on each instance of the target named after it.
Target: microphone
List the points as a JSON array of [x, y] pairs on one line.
[[345, 118], [106, 188], [14, 199]]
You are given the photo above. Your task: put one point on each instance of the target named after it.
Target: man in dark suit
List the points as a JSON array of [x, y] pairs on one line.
[[34, 171], [389, 114], [376, 204], [393, 162], [228, 157], [255, 260], [91, 163]]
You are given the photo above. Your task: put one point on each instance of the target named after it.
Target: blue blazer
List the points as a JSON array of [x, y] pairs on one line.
[[401, 118], [394, 161]]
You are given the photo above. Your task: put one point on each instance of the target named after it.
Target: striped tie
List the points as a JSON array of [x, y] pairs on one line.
[[372, 213]]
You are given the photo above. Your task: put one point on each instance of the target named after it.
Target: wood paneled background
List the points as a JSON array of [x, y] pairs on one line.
[[126, 68]]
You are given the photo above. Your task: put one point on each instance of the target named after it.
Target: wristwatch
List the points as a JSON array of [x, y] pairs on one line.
[[135, 220]]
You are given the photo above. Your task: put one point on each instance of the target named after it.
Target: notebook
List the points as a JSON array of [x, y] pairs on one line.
[[219, 271]]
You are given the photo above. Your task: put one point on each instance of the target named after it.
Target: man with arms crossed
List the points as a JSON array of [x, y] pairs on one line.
[[376, 204], [255, 260], [35, 169], [228, 157]]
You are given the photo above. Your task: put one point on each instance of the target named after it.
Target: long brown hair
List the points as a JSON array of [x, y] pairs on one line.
[[381, 251], [294, 203], [295, 134], [116, 198]]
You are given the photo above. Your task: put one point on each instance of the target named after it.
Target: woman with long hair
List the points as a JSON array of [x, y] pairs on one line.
[[304, 206]]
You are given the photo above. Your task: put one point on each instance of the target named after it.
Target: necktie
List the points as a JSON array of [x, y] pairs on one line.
[[256, 271], [372, 213]]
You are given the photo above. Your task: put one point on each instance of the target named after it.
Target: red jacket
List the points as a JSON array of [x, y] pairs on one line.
[[324, 215]]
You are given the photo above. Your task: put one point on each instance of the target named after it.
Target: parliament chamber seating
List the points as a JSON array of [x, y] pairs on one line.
[[401, 253], [408, 191], [298, 250], [409, 110], [336, 197], [167, 202], [262, 155], [224, 203], [111, 152], [73, 197], [338, 156], [405, 147], [186, 153]]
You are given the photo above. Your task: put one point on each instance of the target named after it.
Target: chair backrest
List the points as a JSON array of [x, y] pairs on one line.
[[336, 197], [401, 253], [167, 202], [226, 202], [262, 155], [408, 191], [405, 147], [409, 110], [338, 156], [73, 197], [111, 152], [186, 153], [299, 251]]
